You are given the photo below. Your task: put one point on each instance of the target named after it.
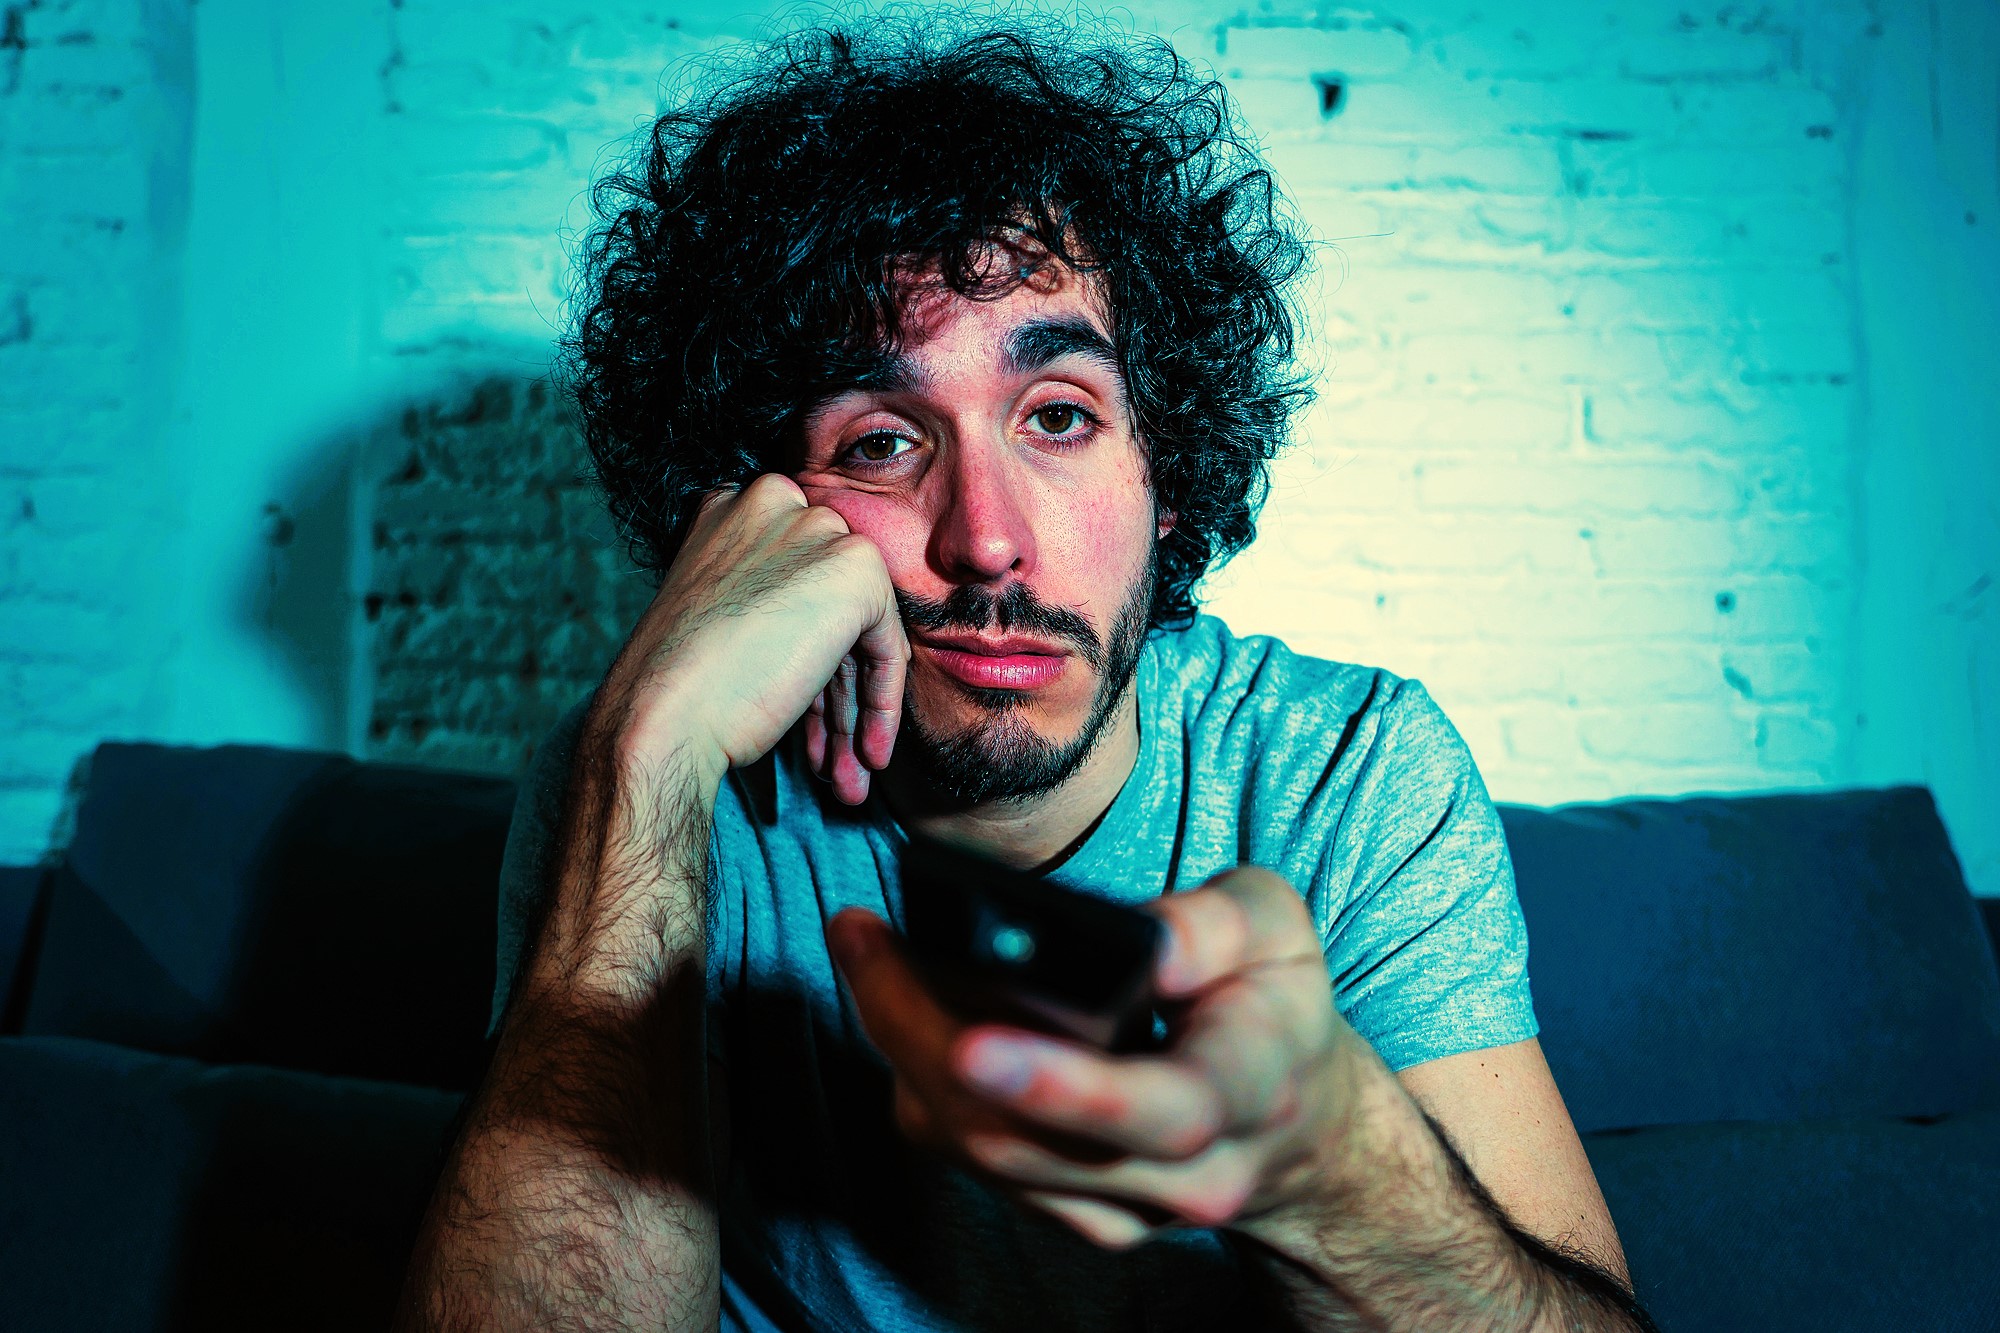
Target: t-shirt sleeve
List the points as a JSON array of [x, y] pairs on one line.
[[525, 866], [1423, 933]]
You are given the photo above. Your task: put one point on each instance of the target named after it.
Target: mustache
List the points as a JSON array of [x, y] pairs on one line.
[[975, 608]]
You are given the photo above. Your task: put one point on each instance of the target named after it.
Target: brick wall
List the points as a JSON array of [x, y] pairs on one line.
[[497, 591], [1586, 459], [95, 119], [1582, 459]]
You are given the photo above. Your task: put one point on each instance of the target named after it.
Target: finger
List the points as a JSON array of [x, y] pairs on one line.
[[880, 701], [712, 503], [775, 490], [883, 655], [1209, 1191], [1250, 1038], [898, 1013], [816, 736], [842, 768], [1107, 1224], [1241, 918], [1158, 1107]]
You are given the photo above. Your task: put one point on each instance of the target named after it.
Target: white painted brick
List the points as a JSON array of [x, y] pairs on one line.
[[1434, 230], [106, 183], [478, 265], [1780, 672], [444, 30], [1483, 677], [1503, 47], [1743, 421], [1560, 613], [1709, 171], [50, 68], [1782, 114], [1521, 167], [1408, 544], [530, 203], [1603, 305], [1483, 418], [1806, 478], [1581, 489], [1673, 234], [1779, 608], [1613, 675], [1706, 54], [1444, 106], [1788, 740], [1546, 735], [1556, 357], [1807, 546], [1669, 735], [1439, 299], [1371, 481], [57, 438], [1705, 299], [457, 145], [1357, 51]]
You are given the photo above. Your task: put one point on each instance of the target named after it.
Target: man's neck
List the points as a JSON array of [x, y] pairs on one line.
[[1033, 833]]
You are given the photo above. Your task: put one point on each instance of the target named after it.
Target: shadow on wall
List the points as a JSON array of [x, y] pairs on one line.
[[455, 552]]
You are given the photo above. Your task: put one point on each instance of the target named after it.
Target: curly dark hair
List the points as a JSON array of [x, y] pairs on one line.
[[743, 264]]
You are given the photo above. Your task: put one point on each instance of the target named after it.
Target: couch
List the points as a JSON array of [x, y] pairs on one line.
[[242, 1010]]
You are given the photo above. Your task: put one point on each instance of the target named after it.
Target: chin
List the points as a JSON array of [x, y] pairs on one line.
[[971, 746]]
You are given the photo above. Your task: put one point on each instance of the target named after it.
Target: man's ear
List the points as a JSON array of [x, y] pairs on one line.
[[1167, 520]]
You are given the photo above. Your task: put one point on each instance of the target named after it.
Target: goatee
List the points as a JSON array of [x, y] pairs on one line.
[[1004, 758]]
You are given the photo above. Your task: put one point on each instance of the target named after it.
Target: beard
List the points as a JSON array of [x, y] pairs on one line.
[[1004, 758]]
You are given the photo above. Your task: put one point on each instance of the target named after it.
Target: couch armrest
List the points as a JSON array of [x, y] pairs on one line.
[[23, 902]]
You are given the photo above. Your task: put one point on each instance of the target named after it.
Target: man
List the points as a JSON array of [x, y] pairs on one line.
[[929, 376]]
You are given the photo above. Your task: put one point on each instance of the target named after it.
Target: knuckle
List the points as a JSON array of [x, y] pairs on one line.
[[1286, 1103], [775, 488], [851, 545], [1194, 1133], [823, 519], [717, 498]]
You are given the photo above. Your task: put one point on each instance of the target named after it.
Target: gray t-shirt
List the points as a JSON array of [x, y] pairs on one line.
[[1346, 780]]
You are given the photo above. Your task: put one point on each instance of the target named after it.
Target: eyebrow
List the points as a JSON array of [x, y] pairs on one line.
[[1038, 342], [1027, 351]]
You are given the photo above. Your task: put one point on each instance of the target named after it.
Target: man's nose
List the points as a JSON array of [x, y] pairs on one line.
[[982, 532]]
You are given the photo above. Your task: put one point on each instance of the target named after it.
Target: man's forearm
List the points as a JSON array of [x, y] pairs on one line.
[[580, 1192], [1407, 1239]]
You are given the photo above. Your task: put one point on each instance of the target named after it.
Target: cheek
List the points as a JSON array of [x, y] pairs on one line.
[[898, 528], [1107, 529]]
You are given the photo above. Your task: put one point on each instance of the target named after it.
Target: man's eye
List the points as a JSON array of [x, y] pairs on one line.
[[880, 447], [1061, 418]]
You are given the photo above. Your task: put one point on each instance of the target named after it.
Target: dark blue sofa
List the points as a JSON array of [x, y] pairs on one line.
[[240, 1015]]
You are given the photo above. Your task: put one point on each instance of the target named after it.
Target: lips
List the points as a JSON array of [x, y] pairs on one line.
[[1012, 663]]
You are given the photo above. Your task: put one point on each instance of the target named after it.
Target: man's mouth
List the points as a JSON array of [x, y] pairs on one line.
[[1010, 662]]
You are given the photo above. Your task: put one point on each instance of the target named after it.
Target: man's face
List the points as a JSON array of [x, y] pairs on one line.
[[995, 464]]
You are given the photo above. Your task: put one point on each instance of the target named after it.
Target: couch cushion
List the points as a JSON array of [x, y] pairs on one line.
[[1874, 1226], [144, 1191], [252, 905], [1756, 958]]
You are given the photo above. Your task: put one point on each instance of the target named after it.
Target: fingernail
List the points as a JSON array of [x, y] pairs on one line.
[[1001, 1067]]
